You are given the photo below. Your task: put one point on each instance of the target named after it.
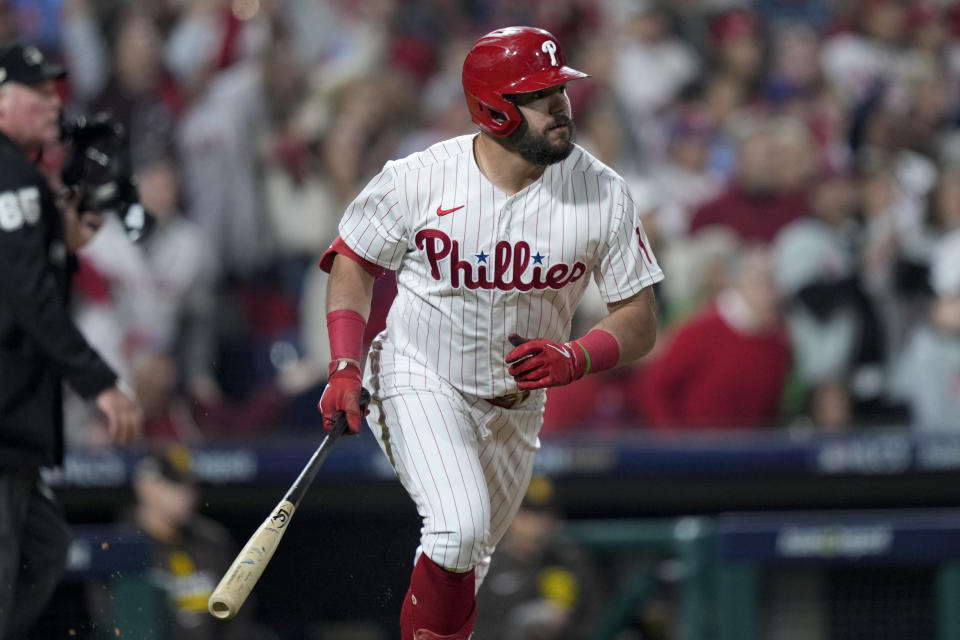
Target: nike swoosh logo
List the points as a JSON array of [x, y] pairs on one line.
[[565, 354], [443, 212]]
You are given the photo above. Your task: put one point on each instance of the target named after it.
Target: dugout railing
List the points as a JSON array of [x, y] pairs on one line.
[[721, 562]]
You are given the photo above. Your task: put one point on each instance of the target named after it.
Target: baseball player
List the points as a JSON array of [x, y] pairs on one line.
[[494, 238]]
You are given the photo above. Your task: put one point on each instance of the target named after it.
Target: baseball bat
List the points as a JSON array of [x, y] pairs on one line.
[[247, 567]]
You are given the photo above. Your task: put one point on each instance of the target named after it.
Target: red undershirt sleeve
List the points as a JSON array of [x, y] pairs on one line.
[[339, 246]]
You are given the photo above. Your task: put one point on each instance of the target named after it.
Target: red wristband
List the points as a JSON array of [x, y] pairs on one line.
[[601, 349], [345, 329]]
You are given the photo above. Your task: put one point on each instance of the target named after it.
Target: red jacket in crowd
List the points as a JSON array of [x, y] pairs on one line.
[[711, 376], [754, 218]]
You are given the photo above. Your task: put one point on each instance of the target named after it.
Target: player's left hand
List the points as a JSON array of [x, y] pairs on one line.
[[541, 363]]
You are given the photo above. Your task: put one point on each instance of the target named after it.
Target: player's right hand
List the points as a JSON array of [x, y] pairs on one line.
[[342, 395], [123, 413]]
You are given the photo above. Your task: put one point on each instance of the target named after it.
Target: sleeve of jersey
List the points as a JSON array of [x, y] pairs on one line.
[[30, 294], [339, 246], [628, 264], [374, 225]]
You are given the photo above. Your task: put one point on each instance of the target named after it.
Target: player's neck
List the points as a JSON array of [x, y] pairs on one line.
[[505, 169]]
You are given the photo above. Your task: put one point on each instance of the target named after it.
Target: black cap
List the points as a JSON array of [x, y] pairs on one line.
[[24, 64], [173, 463]]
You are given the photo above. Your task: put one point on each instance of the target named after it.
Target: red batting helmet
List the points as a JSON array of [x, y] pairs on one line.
[[508, 61]]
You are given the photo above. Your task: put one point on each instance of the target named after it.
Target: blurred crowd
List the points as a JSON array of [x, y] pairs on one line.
[[798, 162]]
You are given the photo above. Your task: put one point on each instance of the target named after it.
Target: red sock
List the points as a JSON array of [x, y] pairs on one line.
[[438, 600]]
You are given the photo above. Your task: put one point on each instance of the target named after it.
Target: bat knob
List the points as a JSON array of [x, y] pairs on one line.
[[364, 398], [516, 339]]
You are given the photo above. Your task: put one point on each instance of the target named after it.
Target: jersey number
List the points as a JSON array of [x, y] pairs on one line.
[[17, 208]]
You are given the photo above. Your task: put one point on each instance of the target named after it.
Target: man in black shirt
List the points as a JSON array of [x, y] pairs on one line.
[[40, 346]]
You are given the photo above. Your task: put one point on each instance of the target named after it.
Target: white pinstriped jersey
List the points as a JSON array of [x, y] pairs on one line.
[[474, 264]]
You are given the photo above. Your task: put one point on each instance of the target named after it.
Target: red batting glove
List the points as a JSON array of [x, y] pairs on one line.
[[541, 363], [342, 395]]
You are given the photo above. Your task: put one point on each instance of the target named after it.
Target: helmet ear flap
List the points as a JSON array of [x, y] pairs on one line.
[[498, 119], [504, 121], [510, 117]]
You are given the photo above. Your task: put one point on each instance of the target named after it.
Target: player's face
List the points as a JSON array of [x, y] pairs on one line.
[[547, 135]]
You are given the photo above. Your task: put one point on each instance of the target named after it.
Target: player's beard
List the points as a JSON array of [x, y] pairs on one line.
[[536, 148]]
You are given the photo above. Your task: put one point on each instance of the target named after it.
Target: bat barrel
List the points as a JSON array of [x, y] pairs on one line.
[[248, 566]]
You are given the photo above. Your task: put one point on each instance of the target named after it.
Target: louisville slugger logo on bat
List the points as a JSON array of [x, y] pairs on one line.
[[280, 518]]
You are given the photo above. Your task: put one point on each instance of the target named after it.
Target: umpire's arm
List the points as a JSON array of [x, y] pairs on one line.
[[34, 299], [31, 295]]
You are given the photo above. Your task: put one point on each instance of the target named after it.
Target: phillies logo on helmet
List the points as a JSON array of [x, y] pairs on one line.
[[550, 47], [506, 62], [506, 258]]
